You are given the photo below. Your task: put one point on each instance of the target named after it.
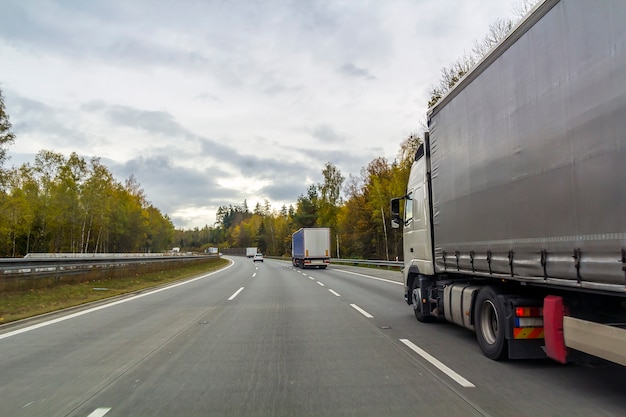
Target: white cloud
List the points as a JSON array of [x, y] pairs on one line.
[[211, 103]]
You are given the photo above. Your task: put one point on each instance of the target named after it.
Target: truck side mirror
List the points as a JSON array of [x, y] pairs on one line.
[[395, 213]]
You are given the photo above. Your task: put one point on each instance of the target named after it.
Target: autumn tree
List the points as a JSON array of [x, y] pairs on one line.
[[452, 74], [18, 210], [497, 31], [353, 221], [97, 205], [6, 137], [329, 194]]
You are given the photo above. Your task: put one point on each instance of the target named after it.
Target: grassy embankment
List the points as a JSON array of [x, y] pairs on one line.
[[20, 304]]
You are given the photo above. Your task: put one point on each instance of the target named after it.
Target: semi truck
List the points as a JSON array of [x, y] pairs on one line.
[[310, 247], [250, 252], [514, 219]]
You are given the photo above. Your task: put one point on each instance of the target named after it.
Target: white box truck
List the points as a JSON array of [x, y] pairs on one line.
[[250, 252], [310, 247], [514, 219]]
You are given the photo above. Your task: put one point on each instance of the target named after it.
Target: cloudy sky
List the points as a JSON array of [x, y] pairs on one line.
[[210, 102]]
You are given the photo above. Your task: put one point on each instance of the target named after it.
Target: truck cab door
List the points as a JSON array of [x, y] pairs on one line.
[[417, 223]]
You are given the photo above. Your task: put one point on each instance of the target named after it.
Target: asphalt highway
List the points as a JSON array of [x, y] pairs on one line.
[[267, 339]]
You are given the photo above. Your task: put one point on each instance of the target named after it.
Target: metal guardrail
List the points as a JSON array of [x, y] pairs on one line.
[[60, 263], [364, 262], [35, 266]]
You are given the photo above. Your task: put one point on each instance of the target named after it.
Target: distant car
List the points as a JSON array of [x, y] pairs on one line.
[[258, 257]]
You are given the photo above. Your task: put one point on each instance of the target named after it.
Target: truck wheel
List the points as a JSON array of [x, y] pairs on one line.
[[490, 320], [416, 303]]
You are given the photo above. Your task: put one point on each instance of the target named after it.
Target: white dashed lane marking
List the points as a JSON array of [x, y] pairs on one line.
[[232, 297], [360, 310], [99, 412], [434, 361]]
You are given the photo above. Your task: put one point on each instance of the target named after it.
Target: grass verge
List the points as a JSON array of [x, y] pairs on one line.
[[17, 305]]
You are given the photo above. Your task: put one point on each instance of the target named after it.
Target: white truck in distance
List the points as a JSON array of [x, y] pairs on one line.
[[514, 219], [250, 252]]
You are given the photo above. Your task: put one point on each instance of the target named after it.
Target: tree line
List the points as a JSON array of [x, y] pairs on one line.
[[355, 209], [69, 204]]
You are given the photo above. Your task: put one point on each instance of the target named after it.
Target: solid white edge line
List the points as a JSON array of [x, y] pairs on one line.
[[99, 412], [369, 276], [435, 362], [321, 283], [334, 293], [232, 297], [103, 306], [360, 310]]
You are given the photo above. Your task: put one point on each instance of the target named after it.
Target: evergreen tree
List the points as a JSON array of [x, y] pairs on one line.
[[306, 209], [261, 241]]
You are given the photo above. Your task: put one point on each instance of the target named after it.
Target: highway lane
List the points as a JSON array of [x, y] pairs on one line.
[[509, 388], [284, 345], [268, 339], [53, 369]]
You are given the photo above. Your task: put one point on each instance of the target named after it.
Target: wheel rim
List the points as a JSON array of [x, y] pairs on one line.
[[417, 298], [489, 322]]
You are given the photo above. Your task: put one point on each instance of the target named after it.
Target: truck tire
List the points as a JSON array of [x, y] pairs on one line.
[[490, 319], [416, 301]]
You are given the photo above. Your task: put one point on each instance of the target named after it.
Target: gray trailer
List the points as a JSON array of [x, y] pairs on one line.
[[514, 220]]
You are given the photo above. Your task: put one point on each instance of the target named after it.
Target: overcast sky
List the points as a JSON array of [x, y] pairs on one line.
[[210, 102]]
